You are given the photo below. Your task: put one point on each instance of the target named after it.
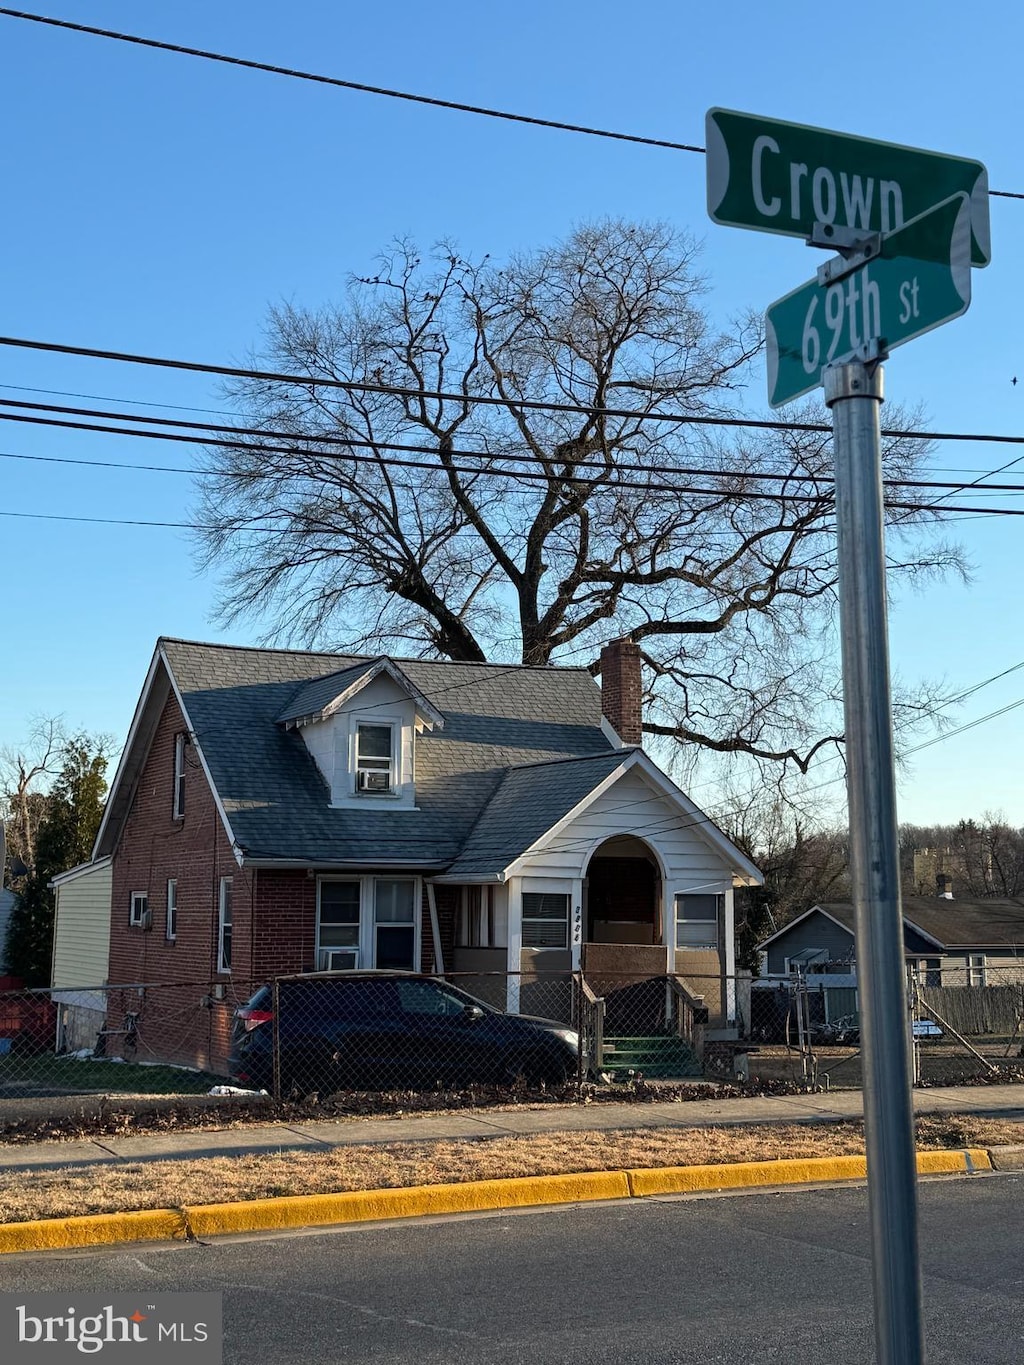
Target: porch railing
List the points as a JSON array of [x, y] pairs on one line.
[[590, 1011], [687, 1015]]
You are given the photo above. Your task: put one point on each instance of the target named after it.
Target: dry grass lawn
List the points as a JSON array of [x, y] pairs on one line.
[[161, 1184]]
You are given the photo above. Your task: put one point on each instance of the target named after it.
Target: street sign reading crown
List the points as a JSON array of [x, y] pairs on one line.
[[784, 177]]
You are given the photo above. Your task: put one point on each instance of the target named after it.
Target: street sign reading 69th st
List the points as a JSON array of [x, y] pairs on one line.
[[921, 279], [784, 177]]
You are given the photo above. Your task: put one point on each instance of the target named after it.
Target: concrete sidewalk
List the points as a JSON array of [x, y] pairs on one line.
[[1006, 1101]]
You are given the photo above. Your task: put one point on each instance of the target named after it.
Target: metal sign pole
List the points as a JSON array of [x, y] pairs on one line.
[[854, 392]]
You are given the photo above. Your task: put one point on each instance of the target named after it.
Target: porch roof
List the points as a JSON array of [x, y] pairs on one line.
[[529, 800]]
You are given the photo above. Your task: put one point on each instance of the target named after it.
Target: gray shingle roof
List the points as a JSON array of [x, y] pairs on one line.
[[987, 922], [311, 699], [528, 801], [496, 718]]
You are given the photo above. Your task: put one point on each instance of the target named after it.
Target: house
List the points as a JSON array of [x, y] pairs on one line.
[[947, 943], [81, 950], [281, 812]]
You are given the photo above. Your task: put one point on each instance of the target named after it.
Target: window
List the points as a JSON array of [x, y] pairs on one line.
[[138, 910], [224, 926], [374, 763], [976, 973], [394, 919], [171, 930], [475, 925], [180, 743], [697, 921], [545, 920], [337, 944], [929, 971], [426, 997]]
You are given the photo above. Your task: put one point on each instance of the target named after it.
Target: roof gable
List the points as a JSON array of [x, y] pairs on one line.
[[534, 804], [322, 697]]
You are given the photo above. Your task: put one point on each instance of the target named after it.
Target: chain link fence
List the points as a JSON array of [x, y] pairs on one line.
[[547, 1034]]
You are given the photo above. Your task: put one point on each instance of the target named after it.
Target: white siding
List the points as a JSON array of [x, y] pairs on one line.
[[319, 740], [81, 939], [631, 806]]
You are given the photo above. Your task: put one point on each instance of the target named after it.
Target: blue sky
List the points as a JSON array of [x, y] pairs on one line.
[[158, 204]]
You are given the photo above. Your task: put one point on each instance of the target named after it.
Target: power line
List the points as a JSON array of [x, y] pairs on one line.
[[306, 382], [603, 479], [179, 49], [104, 398], [359, 86], [224, 412], [329, 438]]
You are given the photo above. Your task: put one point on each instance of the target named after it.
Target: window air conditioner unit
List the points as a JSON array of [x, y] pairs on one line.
[[368, 780], [339, 959]]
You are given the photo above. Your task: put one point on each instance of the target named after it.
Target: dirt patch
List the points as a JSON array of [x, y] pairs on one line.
[[116, 1188]]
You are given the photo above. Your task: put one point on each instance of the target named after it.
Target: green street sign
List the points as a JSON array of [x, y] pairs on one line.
[[921, 279], [785, 177]]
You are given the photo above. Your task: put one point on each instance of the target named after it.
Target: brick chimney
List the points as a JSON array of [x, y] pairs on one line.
[[944, 887], [622, 689]]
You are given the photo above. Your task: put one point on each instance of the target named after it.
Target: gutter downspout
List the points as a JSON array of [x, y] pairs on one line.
[[435, 930]]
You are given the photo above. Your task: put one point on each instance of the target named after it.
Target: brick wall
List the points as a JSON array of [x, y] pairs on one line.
[[183, 1023]]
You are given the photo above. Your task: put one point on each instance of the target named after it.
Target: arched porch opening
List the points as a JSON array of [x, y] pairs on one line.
[[622, 894]]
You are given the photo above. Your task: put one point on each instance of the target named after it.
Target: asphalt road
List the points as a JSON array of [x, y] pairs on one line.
[[752, 1278]]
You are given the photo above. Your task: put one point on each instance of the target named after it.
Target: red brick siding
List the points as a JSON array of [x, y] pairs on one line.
[[284, 923], [195, 850]]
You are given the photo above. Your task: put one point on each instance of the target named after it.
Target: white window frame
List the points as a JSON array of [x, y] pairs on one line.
[[171, 922], [977, 969], [394, 776], [357, 948], [546, 919], [138, 909], [225, 901], [416, 922], [178, 798], [713, 943], [368, 918]]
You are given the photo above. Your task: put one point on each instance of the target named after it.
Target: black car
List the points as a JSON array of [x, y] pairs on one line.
[[379, 1030]]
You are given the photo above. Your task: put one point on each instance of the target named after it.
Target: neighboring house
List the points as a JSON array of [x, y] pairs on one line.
[[949, 942], [8, 900], [277, 811], [81, 950]]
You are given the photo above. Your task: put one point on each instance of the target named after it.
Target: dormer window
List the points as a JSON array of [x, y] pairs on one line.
[[375, 760], [360, 726]]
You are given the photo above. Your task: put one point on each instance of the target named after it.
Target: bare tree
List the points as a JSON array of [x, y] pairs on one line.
[[24, 773], [538, 524]]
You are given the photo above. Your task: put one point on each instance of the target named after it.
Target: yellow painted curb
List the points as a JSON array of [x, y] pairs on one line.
[[360, 1206], [473, 1196], [966, 1159], [791, 1171], [739, 1174], [52, 1234]]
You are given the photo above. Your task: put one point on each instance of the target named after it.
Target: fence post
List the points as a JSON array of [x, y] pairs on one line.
[[275, 990]]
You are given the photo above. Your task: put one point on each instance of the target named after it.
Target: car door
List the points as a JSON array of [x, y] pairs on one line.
[[447, 1039]]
